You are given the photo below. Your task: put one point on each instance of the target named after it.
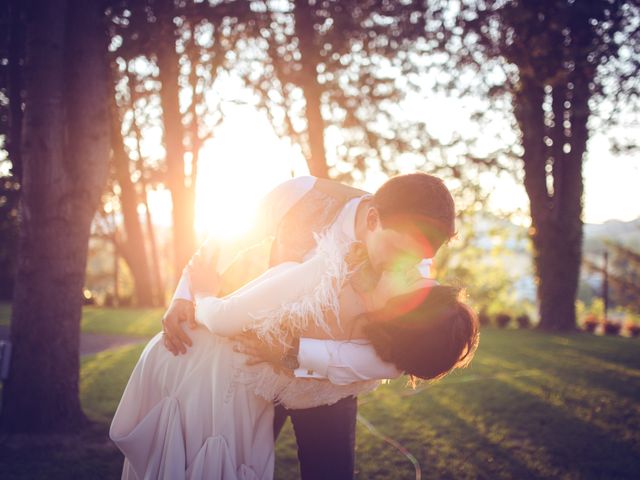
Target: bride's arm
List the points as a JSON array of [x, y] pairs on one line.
[[281, 300], [271, 210]]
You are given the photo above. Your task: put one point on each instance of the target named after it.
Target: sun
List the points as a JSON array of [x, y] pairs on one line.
[[226, 200], [241, 164]]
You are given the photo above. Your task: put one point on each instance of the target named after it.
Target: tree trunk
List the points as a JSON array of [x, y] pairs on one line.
[[155, 260], [182, 195], [557, 256], [312, 90], [116, 272], [65, 159], [157, 283], [136, 253], [556, 223]]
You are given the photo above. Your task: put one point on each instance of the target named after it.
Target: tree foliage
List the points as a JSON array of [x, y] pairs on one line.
[[12, 44], [547, 67], [623, 275]]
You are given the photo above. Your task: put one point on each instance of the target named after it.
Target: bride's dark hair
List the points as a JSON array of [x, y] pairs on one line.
[[428, 341]]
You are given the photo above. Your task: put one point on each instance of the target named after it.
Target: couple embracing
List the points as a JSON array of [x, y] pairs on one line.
[[328, 294]]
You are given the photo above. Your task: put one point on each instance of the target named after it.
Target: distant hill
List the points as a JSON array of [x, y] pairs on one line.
[[595, 235], [627, 233]]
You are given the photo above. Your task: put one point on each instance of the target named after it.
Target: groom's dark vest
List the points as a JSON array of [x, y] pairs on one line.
[[313, 213]]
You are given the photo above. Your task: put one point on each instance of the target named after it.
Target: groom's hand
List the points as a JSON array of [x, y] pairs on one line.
[[259, 351], [176, 339]]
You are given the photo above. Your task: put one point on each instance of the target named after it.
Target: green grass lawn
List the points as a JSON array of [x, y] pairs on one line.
[[135, 322], [532, 405]]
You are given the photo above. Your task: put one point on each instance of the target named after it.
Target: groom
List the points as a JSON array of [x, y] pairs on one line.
[[404, 222]]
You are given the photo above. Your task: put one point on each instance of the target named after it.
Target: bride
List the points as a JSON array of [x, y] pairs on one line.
[[207, 414]]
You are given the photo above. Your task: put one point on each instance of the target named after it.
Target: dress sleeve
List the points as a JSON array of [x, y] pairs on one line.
[[284, 300], [183, 290]]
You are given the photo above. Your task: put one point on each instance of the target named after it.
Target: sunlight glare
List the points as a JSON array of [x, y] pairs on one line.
[[237, 168]]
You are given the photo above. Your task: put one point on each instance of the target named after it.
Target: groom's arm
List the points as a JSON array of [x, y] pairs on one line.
[[272, 209], [342, 362], [339, 361]]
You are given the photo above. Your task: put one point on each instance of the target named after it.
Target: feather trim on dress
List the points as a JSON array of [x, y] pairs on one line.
[[277, 324], [299, 392]]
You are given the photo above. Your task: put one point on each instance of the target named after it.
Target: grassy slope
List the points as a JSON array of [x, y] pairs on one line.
[[135, 322], [531, 406]]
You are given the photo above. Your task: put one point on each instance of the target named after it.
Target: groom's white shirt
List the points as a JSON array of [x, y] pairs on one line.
[[340, 362]]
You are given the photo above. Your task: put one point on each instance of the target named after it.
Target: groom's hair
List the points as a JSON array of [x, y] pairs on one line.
[[429, 340], [417, 202]]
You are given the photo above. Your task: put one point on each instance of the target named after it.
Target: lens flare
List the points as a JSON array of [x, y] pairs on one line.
[[403, 304]]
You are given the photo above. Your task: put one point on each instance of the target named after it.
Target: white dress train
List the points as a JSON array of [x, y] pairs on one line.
[[205, 414], [186, 417]]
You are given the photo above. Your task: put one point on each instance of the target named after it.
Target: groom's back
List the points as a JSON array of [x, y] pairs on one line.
[[313, 213]]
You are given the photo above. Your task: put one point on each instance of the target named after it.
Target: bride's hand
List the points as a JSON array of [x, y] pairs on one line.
[[203, 275], [395, 283]]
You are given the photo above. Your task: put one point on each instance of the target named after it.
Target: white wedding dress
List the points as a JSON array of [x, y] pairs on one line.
[[205, 414]]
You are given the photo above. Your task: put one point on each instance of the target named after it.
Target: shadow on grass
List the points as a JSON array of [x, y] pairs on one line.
[[449, 439], [532, 405], [89, 455], [604, 453], [463, 433], [621, 351], [571, 416]]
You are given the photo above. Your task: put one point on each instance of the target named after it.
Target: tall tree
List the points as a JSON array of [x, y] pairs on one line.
[[65, 161], [181, 183], [133, 247], [333, 79], [186, 43], [144, 173], [547, 66], [305, 28]]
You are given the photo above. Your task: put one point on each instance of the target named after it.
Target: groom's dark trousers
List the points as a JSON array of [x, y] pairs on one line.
[[326, 437]]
